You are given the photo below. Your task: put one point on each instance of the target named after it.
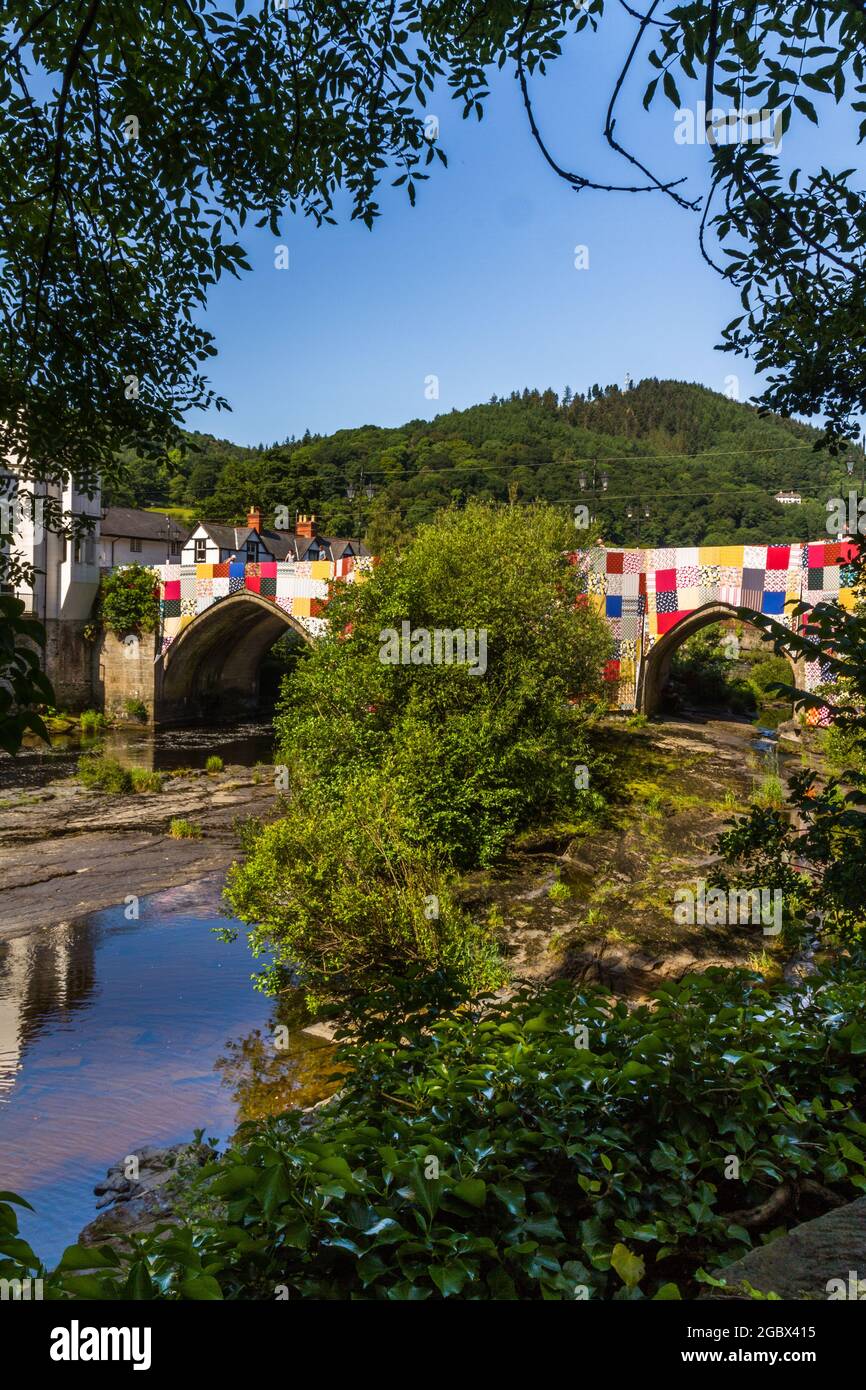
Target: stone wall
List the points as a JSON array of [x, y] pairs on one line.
[[125, 670], [69, 663]]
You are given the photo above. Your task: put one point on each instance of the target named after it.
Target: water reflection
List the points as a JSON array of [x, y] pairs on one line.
[[160, 749], [117, 1033]]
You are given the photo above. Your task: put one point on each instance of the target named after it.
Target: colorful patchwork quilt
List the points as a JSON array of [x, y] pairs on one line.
[[644, 594], [300, 588]]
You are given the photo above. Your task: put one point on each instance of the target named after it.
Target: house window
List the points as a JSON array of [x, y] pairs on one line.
[[135, 545], [313, 553], [200, 552], [83, 552], [174, 550], [252, 552]]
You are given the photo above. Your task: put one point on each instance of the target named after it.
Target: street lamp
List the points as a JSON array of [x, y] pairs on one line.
[[352, 491]]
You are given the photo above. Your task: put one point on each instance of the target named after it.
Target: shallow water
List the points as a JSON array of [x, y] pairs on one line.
[[160, 749], [117, 1033]]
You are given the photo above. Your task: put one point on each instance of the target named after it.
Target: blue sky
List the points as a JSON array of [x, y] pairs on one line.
[[477, 284]]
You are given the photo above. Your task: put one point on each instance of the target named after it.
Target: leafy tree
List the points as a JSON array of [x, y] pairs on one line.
[[399, 772], [22, 684], [814, 849]]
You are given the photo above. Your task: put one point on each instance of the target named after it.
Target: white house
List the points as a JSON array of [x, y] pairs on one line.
[[130, 536], [210, 543], [66, 570]]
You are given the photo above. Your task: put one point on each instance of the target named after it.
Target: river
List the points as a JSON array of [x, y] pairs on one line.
[[116, 1033]]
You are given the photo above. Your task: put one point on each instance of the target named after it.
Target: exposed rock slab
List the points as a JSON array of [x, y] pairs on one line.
[[802, 1264]]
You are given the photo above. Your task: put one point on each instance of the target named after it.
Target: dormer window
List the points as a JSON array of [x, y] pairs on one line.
[[252, 552], [201, 552]]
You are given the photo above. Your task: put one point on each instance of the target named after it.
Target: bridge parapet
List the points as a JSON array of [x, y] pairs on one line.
[[299, 588], [646, 594]]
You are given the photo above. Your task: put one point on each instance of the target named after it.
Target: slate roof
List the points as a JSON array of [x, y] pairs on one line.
[[283, 545], [134, 522]]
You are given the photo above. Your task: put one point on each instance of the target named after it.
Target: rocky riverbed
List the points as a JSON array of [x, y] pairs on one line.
[[67, 851]]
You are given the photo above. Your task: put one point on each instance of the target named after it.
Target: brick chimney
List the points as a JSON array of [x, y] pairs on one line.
[[305, 526], [254, 520]]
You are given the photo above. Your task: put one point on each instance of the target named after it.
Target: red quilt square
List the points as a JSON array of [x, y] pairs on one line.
[[611, 671], [848, 552], [666, 580], [614, 561], [253, 582], [778, 557], [221, 571], [641, 583], [668, 620], [816, 556]]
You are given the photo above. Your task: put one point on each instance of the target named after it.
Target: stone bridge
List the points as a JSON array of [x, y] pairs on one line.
[[218, 621], [654, 599]]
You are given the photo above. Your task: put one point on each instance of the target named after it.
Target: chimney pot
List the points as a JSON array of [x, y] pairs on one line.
[[254, 519], [306, 526]]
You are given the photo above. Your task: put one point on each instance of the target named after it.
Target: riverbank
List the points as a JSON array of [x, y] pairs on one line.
[[67, 850], [598, 905]]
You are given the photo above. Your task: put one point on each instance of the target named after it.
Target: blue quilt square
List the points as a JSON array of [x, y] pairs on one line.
[[613, 606], [773, 603], [236, 571]]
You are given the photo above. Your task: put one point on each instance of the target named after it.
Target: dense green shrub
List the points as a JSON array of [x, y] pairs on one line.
[[136, 709], [771, 670], [504, 1153], [400, 772], [844, 749], [474, 756], [336, 890], [128, 600]]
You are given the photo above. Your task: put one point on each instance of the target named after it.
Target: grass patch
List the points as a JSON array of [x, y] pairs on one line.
[[104, 774], [92, 722], [143, 780], [214, 764], [181, 829]]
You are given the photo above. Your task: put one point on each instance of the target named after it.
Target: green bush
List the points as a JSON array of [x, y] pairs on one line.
[[844, 749], [334, 888], [128, 600], [502, 1153], [136, 709], [103, 774], [214, 764], [402, 772], [472, 757], [769, 671]]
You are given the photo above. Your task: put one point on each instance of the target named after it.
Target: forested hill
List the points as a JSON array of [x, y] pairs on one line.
[[704, 467]]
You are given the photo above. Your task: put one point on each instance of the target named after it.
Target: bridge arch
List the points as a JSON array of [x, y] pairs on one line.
[[656, 664], [213, 663]]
